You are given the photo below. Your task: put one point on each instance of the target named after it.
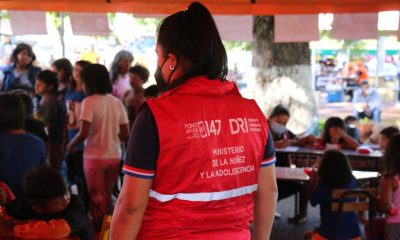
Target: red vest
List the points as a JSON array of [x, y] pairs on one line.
[[212, 143]]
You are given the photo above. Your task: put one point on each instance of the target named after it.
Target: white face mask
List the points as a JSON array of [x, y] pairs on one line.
[[277, 128]]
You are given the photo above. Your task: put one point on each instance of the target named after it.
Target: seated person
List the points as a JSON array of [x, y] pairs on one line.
[[47, 211], [334, 134], [351, 128], [334, 172], [367, 103], [282, 138], [20, 152], [385, 136]]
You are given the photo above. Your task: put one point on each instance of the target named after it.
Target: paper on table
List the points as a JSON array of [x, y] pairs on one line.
[[291, 148]]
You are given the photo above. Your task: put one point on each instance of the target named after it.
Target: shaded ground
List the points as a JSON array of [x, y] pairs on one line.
[[284, 231]]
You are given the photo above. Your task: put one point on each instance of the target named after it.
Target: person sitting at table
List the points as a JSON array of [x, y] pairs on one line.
[[367, 103], [385, 136], [389, 200], [283, 137], [334, 172], [334, 134], [351, 128]]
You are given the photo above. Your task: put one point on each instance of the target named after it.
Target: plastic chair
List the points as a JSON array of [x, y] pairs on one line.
[[364, 200]]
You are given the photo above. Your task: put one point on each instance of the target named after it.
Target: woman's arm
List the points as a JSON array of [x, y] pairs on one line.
[[304, 141], [131, 204], [265, 203], [80, 136], [350, 142], [384, 201], [281, 143]]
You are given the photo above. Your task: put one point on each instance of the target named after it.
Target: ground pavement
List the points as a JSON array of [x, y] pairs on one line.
[[390, 112]]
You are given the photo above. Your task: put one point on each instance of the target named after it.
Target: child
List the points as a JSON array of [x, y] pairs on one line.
[[51, 114], [103, 122], [133, 99], [47, 211], [334, 173], [351, 128], [63, 68], [74, 97], [96, 199], [389, 201], [334, 134], [20, 152], [385, 136]]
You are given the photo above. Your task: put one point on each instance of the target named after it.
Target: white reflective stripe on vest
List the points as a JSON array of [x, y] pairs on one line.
[[205, 196]]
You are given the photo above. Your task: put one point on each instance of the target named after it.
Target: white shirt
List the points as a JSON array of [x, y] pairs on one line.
[[105, 113]]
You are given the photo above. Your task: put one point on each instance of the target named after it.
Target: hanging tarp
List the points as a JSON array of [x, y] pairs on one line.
[[398, 33], [254, 7], [89, 24], [230, 27], [296, 28], [355, 26], [28, 22], [235, 28]]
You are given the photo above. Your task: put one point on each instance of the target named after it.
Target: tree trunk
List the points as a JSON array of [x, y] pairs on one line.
[[283, 75]]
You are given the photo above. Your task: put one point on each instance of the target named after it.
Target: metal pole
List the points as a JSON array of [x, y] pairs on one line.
[[62, 15], [380, 57]]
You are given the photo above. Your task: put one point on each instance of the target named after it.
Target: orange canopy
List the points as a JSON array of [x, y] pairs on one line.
[[254, 7]]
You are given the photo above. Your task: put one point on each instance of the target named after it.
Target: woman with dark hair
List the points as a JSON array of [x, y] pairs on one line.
[[119, 73], [335, 134], [21, 73], [334, 172], [385, 135], [200, 153]]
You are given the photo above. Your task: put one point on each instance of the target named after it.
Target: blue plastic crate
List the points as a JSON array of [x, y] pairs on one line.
[[335, 96]]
